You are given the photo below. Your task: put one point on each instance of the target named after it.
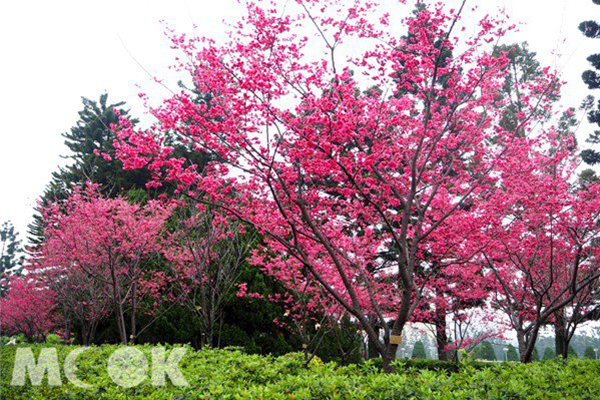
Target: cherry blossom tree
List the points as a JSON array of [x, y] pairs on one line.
[[317, 320], [545, 252], [28, 309], [447, 303], [207, 252], [105, 245], [80, 298], [350, 145], [584, 307]]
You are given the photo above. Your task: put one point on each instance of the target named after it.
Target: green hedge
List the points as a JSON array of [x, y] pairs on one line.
[[434, 365], [231, 374]]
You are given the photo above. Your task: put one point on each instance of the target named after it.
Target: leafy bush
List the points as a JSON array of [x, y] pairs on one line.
[[430, 365], [53, 339], [20, 338], [233, 375]]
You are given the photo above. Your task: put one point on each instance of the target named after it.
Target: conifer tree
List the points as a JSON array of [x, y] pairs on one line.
[[591, 77], [487, 352], [548, 354], [535, 356], [419, 351], [589, 353], [10, 255], [512, 354], [572, 352]]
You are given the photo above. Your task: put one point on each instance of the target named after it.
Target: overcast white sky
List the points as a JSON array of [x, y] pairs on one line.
[[54, 52]]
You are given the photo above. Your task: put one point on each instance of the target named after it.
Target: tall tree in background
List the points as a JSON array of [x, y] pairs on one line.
[[589, 353], [90, 142], [523, 68], [10, 254], [419, 351], [548, 354], [92, 154], [591, 78], [511, 354], [486, 351]]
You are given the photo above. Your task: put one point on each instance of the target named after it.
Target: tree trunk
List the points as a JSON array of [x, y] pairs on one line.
[[522, 341], [85, 337], [121, 323], [93, 331], [561, 339], [527, 343], [441, 336], [118, 304], [133, 311], [372, 347], [68, 330], [397, 329]]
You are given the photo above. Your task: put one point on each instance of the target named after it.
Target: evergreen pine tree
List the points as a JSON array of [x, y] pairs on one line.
[[549, 354], [572, 352], [523, 67], [419, 350], [589, 353], [92, 153], [11, 258], [88, 139], [591, 78], [487, 351], [512, 354]]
